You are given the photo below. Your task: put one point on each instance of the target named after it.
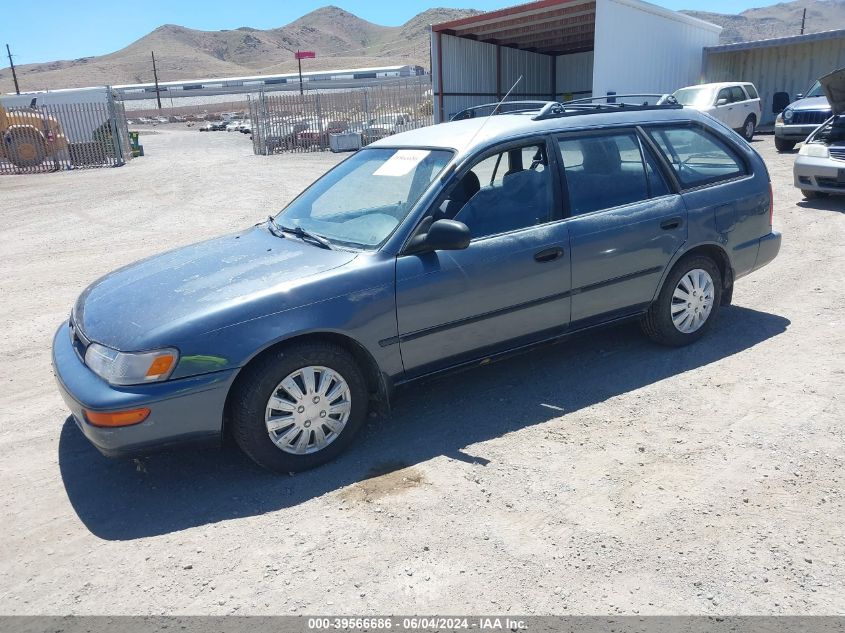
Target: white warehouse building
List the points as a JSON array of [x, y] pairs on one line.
[[565, 49]]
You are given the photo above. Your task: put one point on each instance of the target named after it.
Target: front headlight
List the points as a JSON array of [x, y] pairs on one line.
[[130, 368], [816, 150], [787, 115]]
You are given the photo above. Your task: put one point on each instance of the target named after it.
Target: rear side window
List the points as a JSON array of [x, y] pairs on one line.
[[752, 91], [697, 157], [606, 171], [737, 94]]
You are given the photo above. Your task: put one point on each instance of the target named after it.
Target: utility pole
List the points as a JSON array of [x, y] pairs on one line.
[[14, 74], [299, 63], [803, 20], [155, 75]]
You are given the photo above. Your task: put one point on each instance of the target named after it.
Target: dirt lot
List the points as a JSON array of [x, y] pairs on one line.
[[606, 475]]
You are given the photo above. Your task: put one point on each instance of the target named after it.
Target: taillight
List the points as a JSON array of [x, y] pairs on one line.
[[771, 205], [50, 137]]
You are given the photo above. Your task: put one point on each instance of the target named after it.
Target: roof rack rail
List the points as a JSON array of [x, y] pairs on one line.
[[500, 107], [611, 103]]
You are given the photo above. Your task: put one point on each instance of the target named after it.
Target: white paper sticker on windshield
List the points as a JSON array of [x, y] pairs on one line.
[[402, 162]]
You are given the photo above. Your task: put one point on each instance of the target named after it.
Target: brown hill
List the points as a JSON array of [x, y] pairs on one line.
[[778, 20], [340, 39]]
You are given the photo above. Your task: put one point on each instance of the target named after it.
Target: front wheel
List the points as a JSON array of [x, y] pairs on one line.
[[782, 145], [687, 304], [299, 406]]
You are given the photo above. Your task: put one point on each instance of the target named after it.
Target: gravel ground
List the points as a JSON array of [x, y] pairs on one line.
[[605, 475]]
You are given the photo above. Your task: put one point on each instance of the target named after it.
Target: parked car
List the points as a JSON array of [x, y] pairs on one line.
[[213, 126], [801, 117], [233, 126], [436, 249], [737, 105], [819, 169]]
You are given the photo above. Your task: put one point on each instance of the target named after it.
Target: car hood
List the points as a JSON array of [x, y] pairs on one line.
[[810, 103], [198, 288], [833, 85]]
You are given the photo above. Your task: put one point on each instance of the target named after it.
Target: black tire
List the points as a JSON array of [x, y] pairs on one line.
[[749, 127], [657, 322], [25, 147], [813, 195], [782, 145], [257, 383]]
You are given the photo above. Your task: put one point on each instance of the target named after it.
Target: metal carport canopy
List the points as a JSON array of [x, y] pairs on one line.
[[549, 27]]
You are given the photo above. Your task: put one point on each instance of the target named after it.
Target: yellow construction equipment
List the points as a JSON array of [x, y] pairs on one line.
[[29, 137]]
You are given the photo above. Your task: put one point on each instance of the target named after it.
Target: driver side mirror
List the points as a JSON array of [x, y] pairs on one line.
[[722, 102], [442, 235], [800, 95]]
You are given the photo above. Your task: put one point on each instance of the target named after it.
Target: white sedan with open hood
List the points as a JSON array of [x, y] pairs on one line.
[[820, 167]]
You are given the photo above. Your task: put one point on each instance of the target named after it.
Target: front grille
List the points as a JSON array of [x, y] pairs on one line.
[[809, 117], [831, 183], [837, 152]]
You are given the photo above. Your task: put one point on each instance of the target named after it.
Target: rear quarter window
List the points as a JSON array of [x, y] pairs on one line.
[[752, 91], [696, 156]]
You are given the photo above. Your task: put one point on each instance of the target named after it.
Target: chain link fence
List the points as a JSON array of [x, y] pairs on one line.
[[55, 137], [338, 120]]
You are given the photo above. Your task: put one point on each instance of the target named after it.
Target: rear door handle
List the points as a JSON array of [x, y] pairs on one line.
[[548, 254], [671, 223]]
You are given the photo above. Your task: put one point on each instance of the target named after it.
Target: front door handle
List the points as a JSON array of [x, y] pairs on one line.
[[671, 223], [548, 254]]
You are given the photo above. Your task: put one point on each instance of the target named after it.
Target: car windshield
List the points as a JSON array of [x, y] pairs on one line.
[[815, 91], [695, 97], [360, 202]]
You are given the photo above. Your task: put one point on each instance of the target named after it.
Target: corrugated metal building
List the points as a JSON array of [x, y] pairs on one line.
[[786, 64], [565, 49]]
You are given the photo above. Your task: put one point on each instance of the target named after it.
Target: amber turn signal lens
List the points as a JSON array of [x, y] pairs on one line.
[[117, 418], [160, 366]]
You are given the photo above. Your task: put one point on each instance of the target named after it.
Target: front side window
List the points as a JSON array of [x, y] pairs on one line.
[[507, 191], [697, 157], [360, 202], [724, 94], [737, 94], [608, 170]]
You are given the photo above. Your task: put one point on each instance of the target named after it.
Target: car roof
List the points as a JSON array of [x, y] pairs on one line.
[[719, 84], [470, 135]]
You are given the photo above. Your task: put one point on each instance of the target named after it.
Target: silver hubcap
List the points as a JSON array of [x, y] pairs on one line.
[[308, 410], [692, 301]]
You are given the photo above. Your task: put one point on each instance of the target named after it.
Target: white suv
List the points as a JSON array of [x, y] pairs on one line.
[[737, 105]]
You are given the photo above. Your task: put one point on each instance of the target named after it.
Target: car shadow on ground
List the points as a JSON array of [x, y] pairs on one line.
[[830, 203], [161, 493]]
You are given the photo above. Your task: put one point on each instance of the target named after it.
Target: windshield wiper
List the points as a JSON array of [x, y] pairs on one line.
[[302, 234], [274, 228]]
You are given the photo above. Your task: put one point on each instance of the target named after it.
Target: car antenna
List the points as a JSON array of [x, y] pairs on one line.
[[495, 110]]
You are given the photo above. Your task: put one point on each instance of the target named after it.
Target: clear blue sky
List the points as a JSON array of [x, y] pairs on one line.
[[47, 30]]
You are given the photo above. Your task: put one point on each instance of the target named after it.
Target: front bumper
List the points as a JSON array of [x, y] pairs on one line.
[[797, 133], [825, 175], [182, 410]]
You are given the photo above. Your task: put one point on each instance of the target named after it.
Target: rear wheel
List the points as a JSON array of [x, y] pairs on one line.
[[25, 147], [299, 406], [748, 128], [687, 304], [782, 145]]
